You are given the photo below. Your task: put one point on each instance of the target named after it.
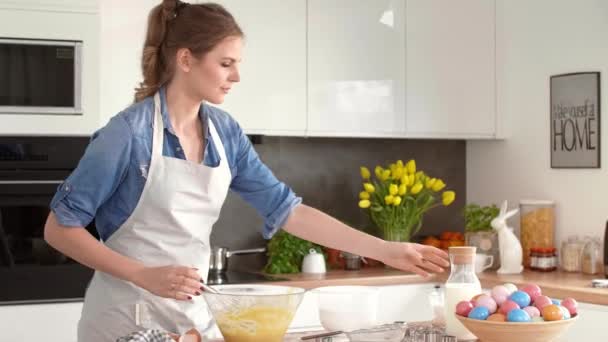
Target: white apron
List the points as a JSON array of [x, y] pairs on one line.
[[170, 225]]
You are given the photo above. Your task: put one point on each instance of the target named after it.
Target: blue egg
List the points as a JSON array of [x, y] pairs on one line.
[[518, 315], [565, 311], [480, 313], [556, 301], [521, 298]]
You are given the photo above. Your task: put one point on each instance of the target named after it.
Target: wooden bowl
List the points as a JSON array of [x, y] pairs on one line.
[[490, 331]]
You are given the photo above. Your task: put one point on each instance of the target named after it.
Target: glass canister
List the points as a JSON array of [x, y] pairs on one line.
[[537, 226], [591, 256], [571, 254], [462, 284]]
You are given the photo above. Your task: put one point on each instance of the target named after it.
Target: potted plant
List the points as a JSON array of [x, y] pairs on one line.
[[479, 232], [286, 252], [399, 196]]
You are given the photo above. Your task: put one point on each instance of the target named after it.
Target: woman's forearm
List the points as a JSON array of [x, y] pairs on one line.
[[313, 225], [78, 244]]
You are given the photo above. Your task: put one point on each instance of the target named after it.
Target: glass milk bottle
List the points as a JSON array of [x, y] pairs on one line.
[[461, 285]]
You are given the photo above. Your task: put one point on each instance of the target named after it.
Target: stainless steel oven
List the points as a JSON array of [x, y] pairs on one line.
[[31, 271]]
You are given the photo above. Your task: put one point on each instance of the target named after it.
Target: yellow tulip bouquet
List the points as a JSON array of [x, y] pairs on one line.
[[399, 196]]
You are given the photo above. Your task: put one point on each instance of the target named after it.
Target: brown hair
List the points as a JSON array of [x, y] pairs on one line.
[[173, 25]]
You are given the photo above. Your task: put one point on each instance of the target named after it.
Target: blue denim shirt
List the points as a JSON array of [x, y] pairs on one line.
[[110, 177]]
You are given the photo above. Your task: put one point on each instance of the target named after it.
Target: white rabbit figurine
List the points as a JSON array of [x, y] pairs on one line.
[[508, 244]]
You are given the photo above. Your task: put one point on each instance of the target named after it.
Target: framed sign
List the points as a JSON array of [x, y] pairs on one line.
[[575, 120]]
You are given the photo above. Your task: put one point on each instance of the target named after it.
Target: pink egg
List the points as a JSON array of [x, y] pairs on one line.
[[500, 294], [532, 311], [488, 302], [542, 301], [532, 290], [463, 308], [507, 306], [571, 305]]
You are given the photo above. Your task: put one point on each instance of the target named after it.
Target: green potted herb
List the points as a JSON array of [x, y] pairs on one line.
[[286, 252], [479, 232]]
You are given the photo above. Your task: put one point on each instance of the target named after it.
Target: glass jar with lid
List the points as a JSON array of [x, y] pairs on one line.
[[591, 256], [546, 260], [537, 226], [571, 254]]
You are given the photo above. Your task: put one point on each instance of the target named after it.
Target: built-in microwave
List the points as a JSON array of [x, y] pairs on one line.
[[40, 76]]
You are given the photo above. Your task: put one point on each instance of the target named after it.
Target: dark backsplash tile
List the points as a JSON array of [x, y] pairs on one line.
[[325, 173]]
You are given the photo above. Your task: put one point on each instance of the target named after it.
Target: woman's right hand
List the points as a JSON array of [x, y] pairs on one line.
[[178, 282]]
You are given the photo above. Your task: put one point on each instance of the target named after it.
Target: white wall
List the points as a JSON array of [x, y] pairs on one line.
[[537, 39]]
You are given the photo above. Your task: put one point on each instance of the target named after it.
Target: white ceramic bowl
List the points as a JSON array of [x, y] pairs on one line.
[[347, 308]]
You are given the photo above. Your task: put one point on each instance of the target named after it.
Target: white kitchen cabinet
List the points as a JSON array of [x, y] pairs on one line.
[[271, 95], [451, 69], [40, 322], [352, 68], [356, 68], [123, 30]]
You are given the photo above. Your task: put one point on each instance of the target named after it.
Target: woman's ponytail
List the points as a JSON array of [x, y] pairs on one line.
[[152, 65], [172, 25]]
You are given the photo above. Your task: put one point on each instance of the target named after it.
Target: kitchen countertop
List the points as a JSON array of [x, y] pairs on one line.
[[554, 284]]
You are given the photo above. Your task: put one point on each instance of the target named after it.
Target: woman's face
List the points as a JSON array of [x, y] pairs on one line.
[[213, 75]]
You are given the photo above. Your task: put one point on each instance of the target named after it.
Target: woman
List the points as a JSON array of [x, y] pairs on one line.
[[155, 177]]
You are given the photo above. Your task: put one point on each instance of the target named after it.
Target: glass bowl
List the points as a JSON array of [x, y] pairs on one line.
[[245, 313]]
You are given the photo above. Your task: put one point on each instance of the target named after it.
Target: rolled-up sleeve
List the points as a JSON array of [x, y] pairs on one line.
[[99, 172], [255, 183]]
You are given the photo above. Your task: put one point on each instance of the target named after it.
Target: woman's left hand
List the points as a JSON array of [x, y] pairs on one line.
[[414, 257]]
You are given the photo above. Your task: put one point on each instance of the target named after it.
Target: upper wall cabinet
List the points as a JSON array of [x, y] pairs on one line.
[[271, 95], [123, 30], [356, 67], [451, 69], [360, 68]]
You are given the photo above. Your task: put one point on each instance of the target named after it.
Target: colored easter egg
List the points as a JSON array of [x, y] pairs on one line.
[[497, 317], [532, 290], [541, 302], [480, 313], [556, 301], [521, 298], [510, 287], [518, 315], [552, 312], [571, 304], [488, 302], [565, 312], [463, 308], [538, 319], [532, 311], [507, 306], [500, 294]]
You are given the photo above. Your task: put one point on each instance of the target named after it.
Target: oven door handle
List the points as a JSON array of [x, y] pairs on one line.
[[31, 181]]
